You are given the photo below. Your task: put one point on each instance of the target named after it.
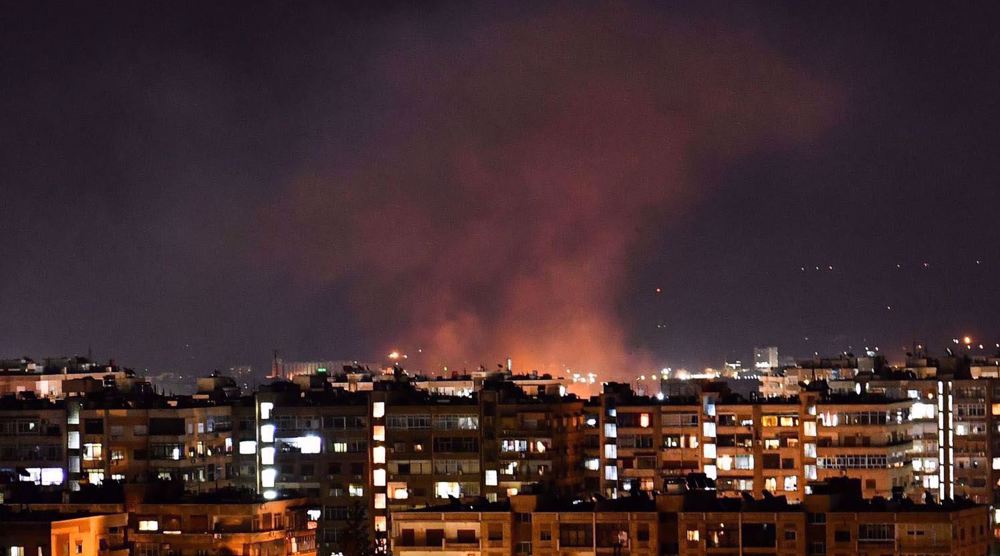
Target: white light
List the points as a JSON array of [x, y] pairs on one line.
[[491, 477], [248, 447], [378, 454], [378, 477], [267, 455], [307, 444], [267, 477], [267, 433], [378, 410], [265, 410], [270, 494]]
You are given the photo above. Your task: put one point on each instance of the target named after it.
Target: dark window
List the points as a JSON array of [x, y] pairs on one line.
[[199, 523], [642, 532], [466, 536], [842, 536], [407, 538], [789, 534], [758, 535], [456, 444], [772, 461], [435, 537], [93, 426], [576, 534], [170, 426]]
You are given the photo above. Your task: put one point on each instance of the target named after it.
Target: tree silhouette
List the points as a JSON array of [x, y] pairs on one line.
[[355, 537]]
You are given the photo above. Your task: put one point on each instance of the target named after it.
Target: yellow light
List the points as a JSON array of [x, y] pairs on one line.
[[394, 355], [967, 340]]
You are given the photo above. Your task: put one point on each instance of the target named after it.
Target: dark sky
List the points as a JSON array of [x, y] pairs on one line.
[[187, 186]]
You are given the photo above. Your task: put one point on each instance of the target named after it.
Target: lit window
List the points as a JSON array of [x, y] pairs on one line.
[[355, 490], [307, 444], [397, 491], [267, 433], [50, 476], [644, 420], [380, 523], [379, 500], [725, 462], [267, 477], [248, 447], [610, 451], [709, 450], [92, 452], [693, 535], [810, 471], [378, 410], [708, 430], [491, 477], [378, 433], [809, 428], [610, 473], [378, 477], [270, 494], [265, 410], [592, 464], [445, 489], [149, 525], [267, 455], [378, 454]]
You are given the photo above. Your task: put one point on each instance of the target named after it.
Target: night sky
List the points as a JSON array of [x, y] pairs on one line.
[[189, 186]]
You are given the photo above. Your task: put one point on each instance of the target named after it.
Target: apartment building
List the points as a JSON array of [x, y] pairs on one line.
[[33, 434], [25, 532], [397, 447], [220, 524], [772, 444], [690, 519], [530, 524]]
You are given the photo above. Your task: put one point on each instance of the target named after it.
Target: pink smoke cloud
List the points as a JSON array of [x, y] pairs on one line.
[[495, 212]]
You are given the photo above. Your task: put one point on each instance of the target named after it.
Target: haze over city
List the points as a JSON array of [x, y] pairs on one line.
[[573, 185]]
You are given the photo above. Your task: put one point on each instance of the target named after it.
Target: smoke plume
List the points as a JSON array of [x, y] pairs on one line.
[[517, 167]]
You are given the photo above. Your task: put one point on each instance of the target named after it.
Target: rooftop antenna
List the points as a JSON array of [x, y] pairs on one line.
[[276, 371]]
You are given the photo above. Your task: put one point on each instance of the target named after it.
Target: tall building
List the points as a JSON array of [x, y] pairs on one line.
[[765, 358]]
